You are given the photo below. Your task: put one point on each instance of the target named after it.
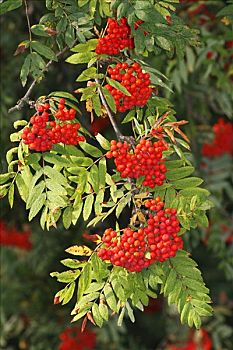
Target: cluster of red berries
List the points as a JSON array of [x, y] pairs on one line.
[[11, 236], [44, 133], [76, 339], [145, 160], [199, 9], [222, 142], [117, 38], [135, 81], [136, 250], [202, 341]]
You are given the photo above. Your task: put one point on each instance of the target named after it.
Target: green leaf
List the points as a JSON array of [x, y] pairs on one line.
[[11, 195], [104, 143], [96, 315], [109, 98], [4, 190], [80, 162], [87, 298], [44, 50], [121, 317], [25, 70], [94, 178], [84, 47], [76, 213], [33, 158], [192, 191], [61, 25], [55, 187], [130, 312], [57, 160], [67, 217], [170, 196], [73, 263], [226, 11], [118, 86], [185, 312], [100, 269], [36, 206], [97, 105], [15, 137], [81, 57], [180, 173], [94, 287], [120, 206], [10, 5], [84, 280], [18, 123], [102, 172], [189, 182], [88, 92], [5, 177], [69, 292], [129, 117], [40, 30], [35, 193], [110, 297], [66, 276], [56, 201], [63, 94], [87, 74], [55, 175], [70, 35], [99, 201], [103, 309], [87, 209], [89, 149], [170, 282], [202, 219]]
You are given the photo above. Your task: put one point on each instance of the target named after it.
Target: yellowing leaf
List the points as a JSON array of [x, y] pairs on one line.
[[81, 250]]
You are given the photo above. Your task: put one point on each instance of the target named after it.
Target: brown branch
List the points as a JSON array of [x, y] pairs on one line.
[[25, 99], [111, 118]]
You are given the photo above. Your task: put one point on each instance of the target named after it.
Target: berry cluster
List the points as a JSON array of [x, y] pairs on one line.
[[117, 38], [194, 342], [44, 133], [222, 142], [136, 250], [145, 160], [135, 81], [76, 339], [11, 236]]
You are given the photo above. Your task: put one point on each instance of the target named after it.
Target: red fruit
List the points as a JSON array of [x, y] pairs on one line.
[[136, 82], [117, 38], [44, 133], [136, 250], [146, 160]]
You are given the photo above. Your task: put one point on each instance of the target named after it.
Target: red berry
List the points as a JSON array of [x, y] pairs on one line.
[[134, 81], [136, 250]]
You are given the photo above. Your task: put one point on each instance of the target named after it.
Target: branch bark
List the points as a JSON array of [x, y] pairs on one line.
[[111, 118]]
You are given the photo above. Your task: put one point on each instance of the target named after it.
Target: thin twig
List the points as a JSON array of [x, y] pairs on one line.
[[25, 98], [111, 118], [28, 21]]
